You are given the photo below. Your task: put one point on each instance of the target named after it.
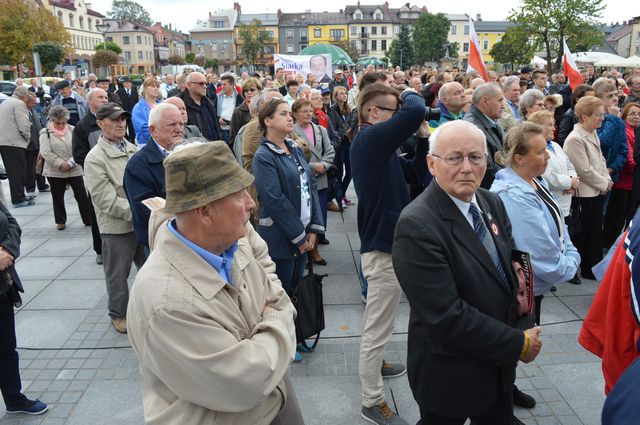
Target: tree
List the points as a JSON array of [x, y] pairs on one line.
[[351, 49], [22, 25], [254, 40], [199, 60], [128, 10], [430, 34], [176, 60], [104, 58], [514, 48], [110, 45], [211, 63], [549, 21], [51, 55], [454, 49], [190, 57], [401, 51]]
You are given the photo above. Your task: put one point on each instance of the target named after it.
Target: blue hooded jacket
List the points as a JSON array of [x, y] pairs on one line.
[[613, 143], [534, 231]]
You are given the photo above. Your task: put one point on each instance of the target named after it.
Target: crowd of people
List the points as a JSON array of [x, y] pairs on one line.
[[188, 172]]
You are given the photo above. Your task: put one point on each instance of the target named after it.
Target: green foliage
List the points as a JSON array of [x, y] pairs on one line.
[[110, 45], [22, 25], [430, 34], [104, 58], [548, 21], [351, 49], [514, 48], [254, 40], [454, 49], [51, 55], [176, 60], [211, 63], [401, 51], [190, 57], [129, 10]]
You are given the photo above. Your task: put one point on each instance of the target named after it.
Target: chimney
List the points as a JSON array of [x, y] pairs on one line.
[[209, 14], [478, 17], [385, 6], [170, 27]]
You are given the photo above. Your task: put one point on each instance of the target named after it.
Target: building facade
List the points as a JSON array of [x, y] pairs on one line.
[[370, 29], [167, 42], [634, 48], [459, 33], [293, 32], [80, 21], [268, 23], [214, 37], [489, 33], [137, 43]]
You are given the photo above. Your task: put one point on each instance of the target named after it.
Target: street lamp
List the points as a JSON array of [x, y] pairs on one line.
[[102, 29]]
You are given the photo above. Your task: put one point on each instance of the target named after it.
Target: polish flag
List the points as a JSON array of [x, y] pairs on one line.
[[570, 68], [475, 56]]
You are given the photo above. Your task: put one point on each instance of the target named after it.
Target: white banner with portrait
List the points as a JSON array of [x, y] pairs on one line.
[[319, 65]]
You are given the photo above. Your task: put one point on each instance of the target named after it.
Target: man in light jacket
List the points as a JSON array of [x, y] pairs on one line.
[[14, 139], [104, 173], [208, 318]]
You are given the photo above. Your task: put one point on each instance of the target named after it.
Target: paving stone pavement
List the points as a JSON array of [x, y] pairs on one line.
[[72, 359]]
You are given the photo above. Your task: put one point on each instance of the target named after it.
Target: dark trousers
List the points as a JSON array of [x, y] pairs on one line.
[[15, 163], [285, 268], [95, 231], [58, 188], [343, 162], [9, 362], [499, 414], [588, 241], [290, 414], [537, 306], [31, 178], [620, 211], [323, 198]]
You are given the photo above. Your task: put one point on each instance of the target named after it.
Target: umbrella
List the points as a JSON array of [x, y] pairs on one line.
[[370, 61], [538, 61], [338, 56], [633, 61]]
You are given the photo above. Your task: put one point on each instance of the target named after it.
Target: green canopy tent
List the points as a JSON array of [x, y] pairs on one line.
[[370, 61], [338, 56]]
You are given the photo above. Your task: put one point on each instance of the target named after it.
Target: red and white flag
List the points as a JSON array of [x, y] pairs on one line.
[[570, 68], [475, 55]]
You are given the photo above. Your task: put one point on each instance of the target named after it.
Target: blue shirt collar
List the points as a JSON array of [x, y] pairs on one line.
[[222, 264], [162, 150]]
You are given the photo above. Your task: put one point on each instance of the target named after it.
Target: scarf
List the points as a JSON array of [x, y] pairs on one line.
[[55, 131], [322, 118]]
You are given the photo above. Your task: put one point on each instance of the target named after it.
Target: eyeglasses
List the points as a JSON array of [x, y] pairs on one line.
[[598, 115], [200, 83], [634, 114], [474, 159], [384, 108]]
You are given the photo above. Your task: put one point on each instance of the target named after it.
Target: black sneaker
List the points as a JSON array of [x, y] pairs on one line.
[[392, 370], [382, 415], [29, 407], [575, 280], [521, 399]]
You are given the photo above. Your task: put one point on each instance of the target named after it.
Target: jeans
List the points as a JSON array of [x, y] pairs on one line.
[[285, 268]]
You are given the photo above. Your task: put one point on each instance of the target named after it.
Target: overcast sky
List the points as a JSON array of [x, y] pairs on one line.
[[185, 13]]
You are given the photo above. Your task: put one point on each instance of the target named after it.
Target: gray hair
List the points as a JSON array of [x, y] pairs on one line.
[[193, 74], [513, 79], [262, 97], [485, 90], [22, 92], [314, 91], [59, 113], [156, 112], [528, 99], [435, 136], [254, 104]]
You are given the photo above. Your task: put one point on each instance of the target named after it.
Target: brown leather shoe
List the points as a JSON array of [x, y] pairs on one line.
[[120, 324], [333, 206]]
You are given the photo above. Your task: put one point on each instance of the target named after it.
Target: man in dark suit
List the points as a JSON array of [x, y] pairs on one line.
[[144, 174], [128, 97], [486, 109], [451, 253]]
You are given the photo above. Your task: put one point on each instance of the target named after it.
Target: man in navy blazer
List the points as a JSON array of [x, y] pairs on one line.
[[452, 255], [144, 175]]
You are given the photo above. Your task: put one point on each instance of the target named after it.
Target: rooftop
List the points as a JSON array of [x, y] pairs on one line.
[[313, 18], [269, 19]]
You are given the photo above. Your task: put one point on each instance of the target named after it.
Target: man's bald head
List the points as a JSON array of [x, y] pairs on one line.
[[453, 97], [96, 98], [178, 103]]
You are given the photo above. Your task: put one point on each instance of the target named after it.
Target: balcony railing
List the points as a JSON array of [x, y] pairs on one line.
[[303, 39], [337, 38], [364, 35]]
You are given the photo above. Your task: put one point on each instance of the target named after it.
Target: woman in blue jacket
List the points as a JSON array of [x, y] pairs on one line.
[[537, 222], [140, 113], [290, 215]]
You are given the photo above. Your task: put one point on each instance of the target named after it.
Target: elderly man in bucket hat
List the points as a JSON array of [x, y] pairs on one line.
[[208, 318], [104, 174]]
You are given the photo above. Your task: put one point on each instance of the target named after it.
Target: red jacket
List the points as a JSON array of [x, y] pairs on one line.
[[611, 330]]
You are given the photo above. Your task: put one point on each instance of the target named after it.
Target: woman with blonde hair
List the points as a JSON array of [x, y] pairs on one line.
[[140, 113], [582, 146]]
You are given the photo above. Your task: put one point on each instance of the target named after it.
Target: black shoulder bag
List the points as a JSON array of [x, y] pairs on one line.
[[306, 296]]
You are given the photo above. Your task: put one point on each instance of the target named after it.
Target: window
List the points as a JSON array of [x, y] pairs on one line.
[[378, 16], [89, 22], [357, 15], [383, 30], [218, 24], [289, 33], [139, 39], [466, 30], [485, 44], [454, 30], [140, 55], [374, 45], [396, 29], [336, 35], [303, 46], [383, 45], [465, 47], [354, 30], [289, 48], [110, 39], [303, 32], [125, 39], [374, 30], [71, 22], [127, 56], [317, 32], [81, 22], [60, 18]]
